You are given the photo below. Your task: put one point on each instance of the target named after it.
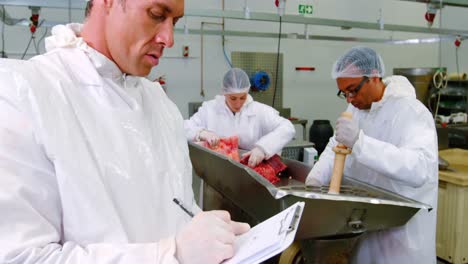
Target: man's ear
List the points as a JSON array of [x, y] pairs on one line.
[[375, 79]]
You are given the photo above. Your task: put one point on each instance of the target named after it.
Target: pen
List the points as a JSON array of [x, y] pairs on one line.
[[179, 203]]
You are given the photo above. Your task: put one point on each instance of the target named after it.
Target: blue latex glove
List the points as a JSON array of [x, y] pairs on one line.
[[347, 131]]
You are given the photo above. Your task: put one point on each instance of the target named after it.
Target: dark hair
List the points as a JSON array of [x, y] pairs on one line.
[[88, 8]]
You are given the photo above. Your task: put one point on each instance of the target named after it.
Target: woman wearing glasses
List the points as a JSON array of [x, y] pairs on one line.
[[394, 146]]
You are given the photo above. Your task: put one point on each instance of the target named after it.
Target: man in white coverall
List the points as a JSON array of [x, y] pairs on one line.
[[92, 154], [394, 146], [260, 128]]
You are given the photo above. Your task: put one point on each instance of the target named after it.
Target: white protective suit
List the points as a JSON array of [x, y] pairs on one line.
[[256, 124], [396, 150], [90, 160]]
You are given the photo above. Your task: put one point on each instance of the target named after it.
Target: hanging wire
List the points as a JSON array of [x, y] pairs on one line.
[[226, 57], [456, 63], [440, 81], [27, 47], [460, 83], [69, 11], [438, 86], [277, 63], [43, 36], [440, 36], [32, 39], [3, 32], [223, 40], [35, 46]]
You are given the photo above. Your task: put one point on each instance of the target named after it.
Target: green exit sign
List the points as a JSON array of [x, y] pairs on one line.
[[306, 9]]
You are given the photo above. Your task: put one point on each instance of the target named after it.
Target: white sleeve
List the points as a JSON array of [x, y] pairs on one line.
[[196, 123], [70, 253], [322, 170], [279, 131], [31, 222], [412, 161]]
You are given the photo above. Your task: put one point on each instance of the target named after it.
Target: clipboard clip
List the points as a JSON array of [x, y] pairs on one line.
[[288, 224]]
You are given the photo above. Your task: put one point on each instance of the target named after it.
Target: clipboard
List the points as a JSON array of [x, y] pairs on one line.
[[268, 238]]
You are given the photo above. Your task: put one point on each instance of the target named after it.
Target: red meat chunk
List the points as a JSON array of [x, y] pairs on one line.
[[269, 169], [227, 146]]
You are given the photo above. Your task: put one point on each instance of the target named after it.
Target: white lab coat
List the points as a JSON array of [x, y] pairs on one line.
[[397, 151], [90, 160], [256, 124]]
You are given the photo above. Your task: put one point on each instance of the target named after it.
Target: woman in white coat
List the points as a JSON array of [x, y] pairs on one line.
[[259, 127]]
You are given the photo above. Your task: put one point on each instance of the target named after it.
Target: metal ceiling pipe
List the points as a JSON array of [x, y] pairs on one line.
[[458, 3], [318, 37], [296, 19]]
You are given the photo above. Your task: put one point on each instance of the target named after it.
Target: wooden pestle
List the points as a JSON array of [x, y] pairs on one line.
[[340, 156]]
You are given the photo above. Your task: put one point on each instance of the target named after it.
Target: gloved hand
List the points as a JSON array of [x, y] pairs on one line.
[[312, 181], [314, 175], [209, 137], [256, 156], [347, 131], [208, 238]]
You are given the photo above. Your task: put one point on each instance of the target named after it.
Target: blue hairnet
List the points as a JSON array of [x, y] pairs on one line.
[[357, 62], [236, 81]]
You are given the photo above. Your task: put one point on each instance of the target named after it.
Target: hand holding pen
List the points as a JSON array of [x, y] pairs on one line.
[[183, 207], [208, 238]]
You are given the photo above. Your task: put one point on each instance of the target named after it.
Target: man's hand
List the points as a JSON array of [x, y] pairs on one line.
[[347, 131], [208, 238]]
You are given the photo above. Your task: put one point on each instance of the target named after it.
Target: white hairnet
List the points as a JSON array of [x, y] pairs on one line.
[[357, 62], [236, 81]]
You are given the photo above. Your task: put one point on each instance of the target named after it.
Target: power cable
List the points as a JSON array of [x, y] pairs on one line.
[[277, 64], [226, 57], [33, 40], [69, 11], [43, 36], [460, 83], [27, 47], [440, 81], [35, 46], [3, 55]]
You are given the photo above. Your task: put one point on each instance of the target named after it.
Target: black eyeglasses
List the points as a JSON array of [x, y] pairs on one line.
[[352, 94]]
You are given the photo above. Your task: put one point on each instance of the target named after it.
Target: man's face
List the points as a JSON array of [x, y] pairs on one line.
[[235, 101], [364, 97], [137, 31]]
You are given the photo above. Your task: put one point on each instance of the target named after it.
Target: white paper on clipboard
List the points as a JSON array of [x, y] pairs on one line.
[[268, 238]]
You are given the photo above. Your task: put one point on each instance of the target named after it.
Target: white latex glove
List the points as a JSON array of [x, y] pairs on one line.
[[311, 181], [314, 175], [347, 131], [256, 156], [208, 238], [209, 137]]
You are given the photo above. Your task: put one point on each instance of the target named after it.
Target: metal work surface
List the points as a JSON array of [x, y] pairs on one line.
[[360, 207]]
